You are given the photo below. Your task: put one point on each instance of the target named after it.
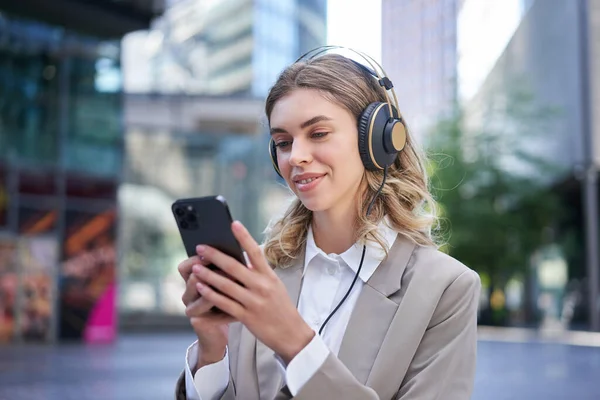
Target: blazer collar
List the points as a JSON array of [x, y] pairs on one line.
[[373, 256], [387, 278]]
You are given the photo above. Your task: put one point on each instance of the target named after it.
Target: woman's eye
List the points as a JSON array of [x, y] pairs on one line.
[[319, 134], [282, 144]]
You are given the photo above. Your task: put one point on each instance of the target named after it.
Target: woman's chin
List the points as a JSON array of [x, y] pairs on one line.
[[313, 204]]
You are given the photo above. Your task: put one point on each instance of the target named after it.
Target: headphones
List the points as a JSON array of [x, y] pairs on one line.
[[381, 129]]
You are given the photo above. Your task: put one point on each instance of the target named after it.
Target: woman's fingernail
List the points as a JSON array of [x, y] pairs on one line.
[[200, 249], [199, 286], [196, 268]]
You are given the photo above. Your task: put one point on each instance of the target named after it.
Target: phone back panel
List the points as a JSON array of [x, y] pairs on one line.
[[206, 220]]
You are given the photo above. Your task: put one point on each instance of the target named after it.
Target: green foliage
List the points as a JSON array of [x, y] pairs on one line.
[[492, 187]]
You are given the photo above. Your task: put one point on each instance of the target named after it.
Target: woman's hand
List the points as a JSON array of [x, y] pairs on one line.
[[212, 329], [258, 299]]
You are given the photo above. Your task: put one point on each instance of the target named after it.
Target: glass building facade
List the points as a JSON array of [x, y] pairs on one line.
[[225, 47], [61, 157]]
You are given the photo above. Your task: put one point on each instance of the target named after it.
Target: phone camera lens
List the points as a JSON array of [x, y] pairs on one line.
[[191, 217], [179, 212]]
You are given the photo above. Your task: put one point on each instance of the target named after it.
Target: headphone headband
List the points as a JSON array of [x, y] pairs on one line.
[[383, 80]]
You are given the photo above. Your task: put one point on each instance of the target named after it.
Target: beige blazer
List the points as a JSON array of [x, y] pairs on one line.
[[412, 335]]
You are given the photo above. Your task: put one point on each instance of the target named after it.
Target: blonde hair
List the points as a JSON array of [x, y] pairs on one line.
[[405, 198]]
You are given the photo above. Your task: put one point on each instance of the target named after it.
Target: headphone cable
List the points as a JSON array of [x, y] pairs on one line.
[[362, 258]]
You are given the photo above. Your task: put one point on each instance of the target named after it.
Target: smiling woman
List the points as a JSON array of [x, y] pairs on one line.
[[315, 117], [316, 150], [348, 298]]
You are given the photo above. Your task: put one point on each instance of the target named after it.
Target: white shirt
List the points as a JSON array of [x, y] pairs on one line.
[[326, 279]]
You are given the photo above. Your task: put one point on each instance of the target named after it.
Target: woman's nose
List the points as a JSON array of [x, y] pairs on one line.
[[300, 153]]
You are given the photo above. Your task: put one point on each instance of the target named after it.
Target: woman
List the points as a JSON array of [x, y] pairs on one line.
[[348, 298]]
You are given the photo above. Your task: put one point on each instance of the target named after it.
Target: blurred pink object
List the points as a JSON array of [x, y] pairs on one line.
[[101, 326]]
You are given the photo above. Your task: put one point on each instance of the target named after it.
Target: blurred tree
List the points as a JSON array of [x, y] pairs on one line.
[[492, 185]]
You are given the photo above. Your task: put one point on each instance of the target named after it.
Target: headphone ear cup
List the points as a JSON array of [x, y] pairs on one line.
[[363, 136]]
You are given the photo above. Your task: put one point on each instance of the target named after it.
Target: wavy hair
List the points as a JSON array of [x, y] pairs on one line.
[[405, 198]]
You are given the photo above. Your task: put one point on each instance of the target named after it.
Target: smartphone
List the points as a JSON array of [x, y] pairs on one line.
[[206, 220]]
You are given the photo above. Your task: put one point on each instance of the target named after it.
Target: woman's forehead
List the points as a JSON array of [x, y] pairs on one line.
[[302, 104]]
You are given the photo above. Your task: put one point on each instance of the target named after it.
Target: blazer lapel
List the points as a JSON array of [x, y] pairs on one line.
[[270, 377], [374, 311]]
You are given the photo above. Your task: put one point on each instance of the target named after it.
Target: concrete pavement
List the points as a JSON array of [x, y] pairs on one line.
[[146, 366]]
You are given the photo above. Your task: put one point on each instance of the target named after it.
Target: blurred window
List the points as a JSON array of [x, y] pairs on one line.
[[28, 103], [94, 133]]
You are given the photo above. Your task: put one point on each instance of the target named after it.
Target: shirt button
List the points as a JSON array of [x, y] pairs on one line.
[[331, 270], [316, 322]]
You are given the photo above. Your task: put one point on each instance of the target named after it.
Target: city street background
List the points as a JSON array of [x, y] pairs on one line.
[[111, 110]]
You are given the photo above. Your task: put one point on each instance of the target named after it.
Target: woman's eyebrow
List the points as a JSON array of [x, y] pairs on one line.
[[314, 120], [305, 124]]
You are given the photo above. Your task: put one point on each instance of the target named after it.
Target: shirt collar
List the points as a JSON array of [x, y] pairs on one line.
[[351, 257]]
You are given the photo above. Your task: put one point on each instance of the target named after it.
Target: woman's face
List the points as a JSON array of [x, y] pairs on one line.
[[317, 149]]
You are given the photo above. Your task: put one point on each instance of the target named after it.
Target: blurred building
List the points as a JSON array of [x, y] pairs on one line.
[[419, 55], [484, 29], [61, 152], [194, 117], [547, 52], [222, 47]]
